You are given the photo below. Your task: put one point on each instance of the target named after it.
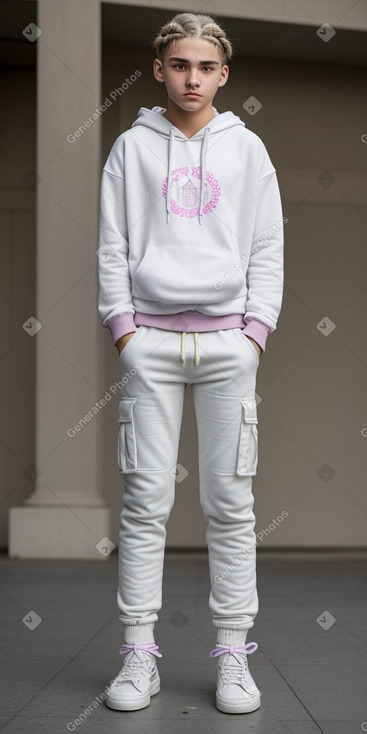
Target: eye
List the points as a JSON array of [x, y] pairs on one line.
[[176, 66]]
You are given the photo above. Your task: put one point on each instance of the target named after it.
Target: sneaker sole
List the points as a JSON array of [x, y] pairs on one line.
[[233, 708], [133, 704]]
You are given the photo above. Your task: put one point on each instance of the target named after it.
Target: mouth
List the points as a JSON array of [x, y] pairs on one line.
[[192, 94]]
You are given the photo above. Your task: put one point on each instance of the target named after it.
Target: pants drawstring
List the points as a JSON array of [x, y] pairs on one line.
[[183, 334], [196, 339]]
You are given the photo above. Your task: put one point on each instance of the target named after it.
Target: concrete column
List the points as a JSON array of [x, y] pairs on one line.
[[66, 517]]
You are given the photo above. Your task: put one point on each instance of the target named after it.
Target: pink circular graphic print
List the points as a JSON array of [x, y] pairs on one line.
[[185, 198]]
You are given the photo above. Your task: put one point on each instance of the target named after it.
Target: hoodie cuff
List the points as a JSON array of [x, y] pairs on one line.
[[258, 331], [121, 325]]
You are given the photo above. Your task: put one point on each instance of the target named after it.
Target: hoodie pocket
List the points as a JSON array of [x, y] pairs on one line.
[[188, 274], [248, 443], [126, 442]]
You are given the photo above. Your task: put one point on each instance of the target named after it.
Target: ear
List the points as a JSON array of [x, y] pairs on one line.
[[224, 75], [158, 70]]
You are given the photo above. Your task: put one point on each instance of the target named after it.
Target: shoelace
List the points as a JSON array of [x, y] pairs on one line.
[[232, 649], [148, 646], [134, 651], [233, 673]]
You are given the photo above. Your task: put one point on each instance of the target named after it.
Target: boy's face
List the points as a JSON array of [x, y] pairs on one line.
[[193, 74]]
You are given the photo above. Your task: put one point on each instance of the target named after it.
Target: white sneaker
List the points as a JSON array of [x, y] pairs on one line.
[[237, 692], [137, 680]]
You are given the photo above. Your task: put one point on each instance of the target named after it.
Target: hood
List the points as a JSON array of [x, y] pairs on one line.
[[154, 119]]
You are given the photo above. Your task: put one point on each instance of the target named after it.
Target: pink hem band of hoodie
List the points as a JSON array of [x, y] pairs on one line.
[[187, 321]]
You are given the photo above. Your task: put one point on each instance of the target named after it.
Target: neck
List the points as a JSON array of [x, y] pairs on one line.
[[188, 122]]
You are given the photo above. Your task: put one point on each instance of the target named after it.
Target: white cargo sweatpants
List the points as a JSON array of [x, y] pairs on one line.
[[221, 366]]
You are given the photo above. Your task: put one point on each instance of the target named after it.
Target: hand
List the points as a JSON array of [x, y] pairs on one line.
[[122, 341], [256, 345]]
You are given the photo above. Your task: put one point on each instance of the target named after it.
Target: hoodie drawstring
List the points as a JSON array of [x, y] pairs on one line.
[[168, 197], [203, 152], [196, 339]]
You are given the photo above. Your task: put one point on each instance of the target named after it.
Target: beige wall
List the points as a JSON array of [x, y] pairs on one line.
[[312, 387], [311, 413], [17, 278]]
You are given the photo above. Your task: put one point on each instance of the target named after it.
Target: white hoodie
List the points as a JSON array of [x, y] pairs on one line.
[[189, 224]]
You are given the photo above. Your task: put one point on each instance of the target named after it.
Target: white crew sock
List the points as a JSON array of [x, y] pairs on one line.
[[138, 633], [231, 636]]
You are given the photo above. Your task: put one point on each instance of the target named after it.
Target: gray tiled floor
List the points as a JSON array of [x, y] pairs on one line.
[[312, 679]]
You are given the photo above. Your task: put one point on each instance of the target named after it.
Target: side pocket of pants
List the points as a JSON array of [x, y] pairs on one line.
[[248, 443], [126, 440]]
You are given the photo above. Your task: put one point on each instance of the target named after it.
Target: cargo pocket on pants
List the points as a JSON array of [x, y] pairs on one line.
[[248, 443], [126, 441]]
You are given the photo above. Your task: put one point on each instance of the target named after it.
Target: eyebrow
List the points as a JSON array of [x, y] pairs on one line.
[[186, 61]]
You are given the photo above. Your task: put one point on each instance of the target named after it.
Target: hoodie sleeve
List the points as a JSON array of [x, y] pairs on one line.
[[265, 273], [114, 283], [258, 331]]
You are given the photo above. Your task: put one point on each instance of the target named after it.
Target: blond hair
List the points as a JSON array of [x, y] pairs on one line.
[[185, 25]]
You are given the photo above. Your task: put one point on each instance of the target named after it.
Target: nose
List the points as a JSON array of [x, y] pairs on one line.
[[192, 80]]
